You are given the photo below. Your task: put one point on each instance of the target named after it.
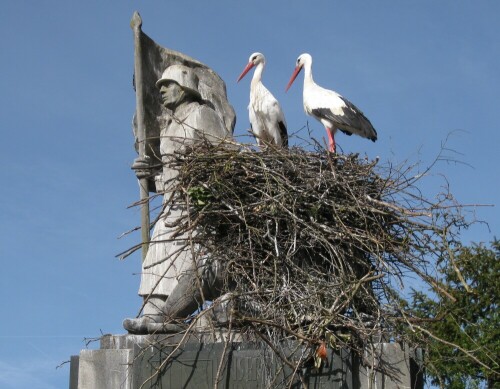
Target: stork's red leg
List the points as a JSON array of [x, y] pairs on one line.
[[331, 140]]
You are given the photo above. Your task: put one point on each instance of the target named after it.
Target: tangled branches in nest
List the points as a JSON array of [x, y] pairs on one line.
[[312, 246]]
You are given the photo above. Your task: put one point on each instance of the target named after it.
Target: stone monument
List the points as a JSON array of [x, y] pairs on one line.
[[193, 107], [181, 101]]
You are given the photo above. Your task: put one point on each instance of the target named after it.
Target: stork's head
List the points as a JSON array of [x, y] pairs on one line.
[[303, 60], [254, 60]]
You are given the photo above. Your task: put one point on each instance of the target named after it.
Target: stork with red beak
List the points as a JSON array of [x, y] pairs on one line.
[[330, 108], [267, 121]]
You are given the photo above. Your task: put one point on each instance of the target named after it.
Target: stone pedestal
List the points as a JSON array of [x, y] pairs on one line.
[[139, 361], [402, 368]]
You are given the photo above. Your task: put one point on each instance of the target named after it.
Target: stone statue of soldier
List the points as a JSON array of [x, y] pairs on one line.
[[174, 280]]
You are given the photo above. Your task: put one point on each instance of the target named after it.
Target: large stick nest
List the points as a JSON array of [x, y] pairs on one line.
[[313, 246]]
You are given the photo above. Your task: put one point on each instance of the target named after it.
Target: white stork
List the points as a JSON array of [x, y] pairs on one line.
[[330, 108], [267, 121]]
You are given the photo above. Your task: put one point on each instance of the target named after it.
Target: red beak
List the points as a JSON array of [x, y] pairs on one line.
[[245, 71], [294, 76]]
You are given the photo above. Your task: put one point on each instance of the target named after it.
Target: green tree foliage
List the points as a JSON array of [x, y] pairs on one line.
[[463, 344]]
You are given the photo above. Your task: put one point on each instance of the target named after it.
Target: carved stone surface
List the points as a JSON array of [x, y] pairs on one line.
[[396, 359], [104, 369], [155, 59], [179, 101], [245, 365], [189, 120]]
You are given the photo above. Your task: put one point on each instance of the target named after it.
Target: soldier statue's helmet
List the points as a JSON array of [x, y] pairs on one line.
[[183, 76]]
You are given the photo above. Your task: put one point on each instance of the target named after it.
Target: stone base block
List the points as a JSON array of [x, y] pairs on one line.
[[147, 361], [401, 369], [104, 369]]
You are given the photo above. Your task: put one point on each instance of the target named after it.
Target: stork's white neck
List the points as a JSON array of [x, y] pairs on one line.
[[308, 77], [257, 74]]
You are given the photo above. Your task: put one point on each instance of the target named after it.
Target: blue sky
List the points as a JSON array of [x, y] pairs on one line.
[[419, 70]]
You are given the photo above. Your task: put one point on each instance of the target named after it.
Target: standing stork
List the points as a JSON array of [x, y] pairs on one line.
[[330, 108], [267, 121]]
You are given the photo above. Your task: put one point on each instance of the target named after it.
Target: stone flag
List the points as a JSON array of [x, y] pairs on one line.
[[154, 59]]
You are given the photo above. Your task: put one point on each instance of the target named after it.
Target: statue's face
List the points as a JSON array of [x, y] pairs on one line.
[[171, 94]]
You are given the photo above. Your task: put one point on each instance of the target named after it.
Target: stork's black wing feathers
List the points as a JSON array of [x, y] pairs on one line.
[[351, 121], [283, 134]]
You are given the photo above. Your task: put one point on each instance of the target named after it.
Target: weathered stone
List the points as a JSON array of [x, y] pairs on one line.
[[180, 101], [154, 60], [105, 369], [130, 361], [73, 372], [401, 370]]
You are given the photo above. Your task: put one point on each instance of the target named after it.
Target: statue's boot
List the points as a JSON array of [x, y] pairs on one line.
[[147, 325], [142, 325], [184, 300], [152, 314]]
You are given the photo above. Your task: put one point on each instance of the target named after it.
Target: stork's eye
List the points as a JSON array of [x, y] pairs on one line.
[[254, 58]]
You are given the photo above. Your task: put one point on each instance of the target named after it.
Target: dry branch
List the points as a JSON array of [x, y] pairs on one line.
[[312, 246]]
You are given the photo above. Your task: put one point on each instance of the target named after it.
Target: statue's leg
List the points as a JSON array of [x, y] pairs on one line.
[[194, 287], [153, 305], [186, 297]]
